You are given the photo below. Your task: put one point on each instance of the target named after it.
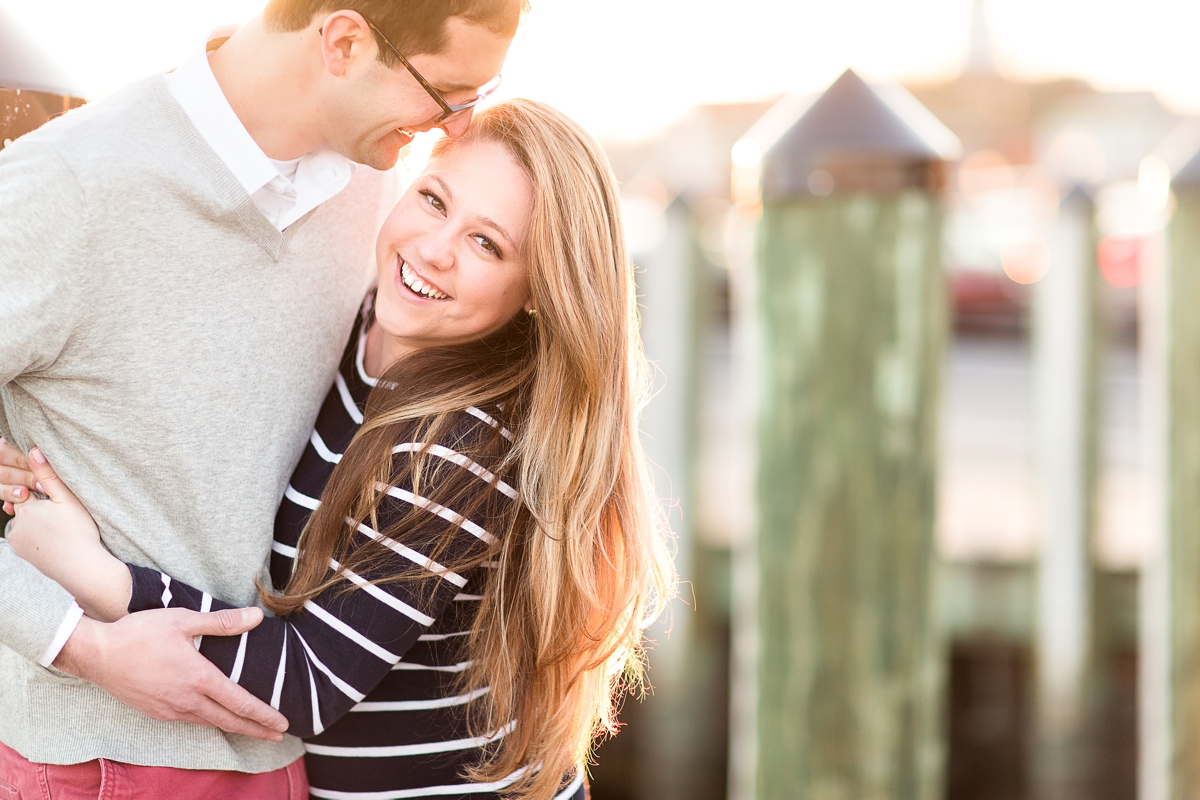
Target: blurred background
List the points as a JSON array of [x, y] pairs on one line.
[[916, 280]]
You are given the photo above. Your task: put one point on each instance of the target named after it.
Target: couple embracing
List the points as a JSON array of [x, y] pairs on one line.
[[241, 368]]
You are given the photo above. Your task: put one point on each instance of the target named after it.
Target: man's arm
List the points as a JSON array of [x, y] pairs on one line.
[[43, 272]]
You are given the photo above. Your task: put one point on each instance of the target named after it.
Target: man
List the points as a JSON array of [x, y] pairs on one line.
[[180, 265]]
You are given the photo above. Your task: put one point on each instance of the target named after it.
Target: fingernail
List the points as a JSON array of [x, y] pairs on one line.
[[17, 492], [37, 456], [281, 727], [38, 485], [247, 616]]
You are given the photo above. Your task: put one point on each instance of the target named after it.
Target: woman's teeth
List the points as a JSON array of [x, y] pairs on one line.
[[417, 285]]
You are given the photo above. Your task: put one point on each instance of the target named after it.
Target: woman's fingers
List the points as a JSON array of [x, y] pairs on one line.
[[11, 456], [46, 480], [15, 478], [13, 494]]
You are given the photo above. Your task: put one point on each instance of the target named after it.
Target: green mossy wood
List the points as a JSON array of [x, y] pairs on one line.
[[1183, 487], [853, 315]]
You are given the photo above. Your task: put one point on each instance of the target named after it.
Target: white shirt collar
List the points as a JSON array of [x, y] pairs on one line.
[[282, 198]]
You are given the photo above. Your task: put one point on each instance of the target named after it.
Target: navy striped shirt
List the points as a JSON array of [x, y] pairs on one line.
[[367, 677]]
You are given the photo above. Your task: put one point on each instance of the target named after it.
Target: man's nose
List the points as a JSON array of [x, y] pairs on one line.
[[457, 125]]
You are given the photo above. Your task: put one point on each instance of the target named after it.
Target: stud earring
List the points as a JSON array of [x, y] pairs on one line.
[[532, 312]]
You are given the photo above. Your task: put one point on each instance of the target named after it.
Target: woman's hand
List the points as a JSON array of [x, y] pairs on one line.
[[16, 480], [60, 538]]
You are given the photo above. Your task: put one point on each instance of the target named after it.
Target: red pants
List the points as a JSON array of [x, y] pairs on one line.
[[21, 779]]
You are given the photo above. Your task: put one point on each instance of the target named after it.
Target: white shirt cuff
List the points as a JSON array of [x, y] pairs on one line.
[[65, 629]]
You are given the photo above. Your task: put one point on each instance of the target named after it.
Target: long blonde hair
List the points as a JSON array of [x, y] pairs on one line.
[[582, 563]]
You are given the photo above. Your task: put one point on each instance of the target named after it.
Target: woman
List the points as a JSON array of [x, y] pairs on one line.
[[469, 593]]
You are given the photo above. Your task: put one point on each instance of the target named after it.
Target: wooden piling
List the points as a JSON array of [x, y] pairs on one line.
[[1169, 652], [852, 318], [1065, 355]]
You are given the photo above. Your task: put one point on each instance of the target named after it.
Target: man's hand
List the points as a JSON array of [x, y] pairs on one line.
[[148, 661], [16, 480]]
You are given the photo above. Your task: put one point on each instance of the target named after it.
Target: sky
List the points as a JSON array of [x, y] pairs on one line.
[[626, 68]]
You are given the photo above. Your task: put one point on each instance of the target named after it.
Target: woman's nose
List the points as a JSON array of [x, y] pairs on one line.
[[436, 248]]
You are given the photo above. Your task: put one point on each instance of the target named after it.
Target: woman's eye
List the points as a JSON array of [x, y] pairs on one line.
[[433, 200], [489, 245]]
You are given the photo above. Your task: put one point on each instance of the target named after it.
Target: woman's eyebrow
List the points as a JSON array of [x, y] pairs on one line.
[[445, 189], [499, 228]]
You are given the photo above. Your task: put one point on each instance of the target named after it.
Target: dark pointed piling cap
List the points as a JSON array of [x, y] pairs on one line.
[[859, 138]]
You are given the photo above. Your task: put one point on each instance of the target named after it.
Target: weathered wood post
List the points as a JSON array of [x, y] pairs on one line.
[[667, 294], [32, 90], [853, 314], [1169, 653], [1066, 327]]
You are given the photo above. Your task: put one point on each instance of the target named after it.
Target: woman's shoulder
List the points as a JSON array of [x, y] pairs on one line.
[[475, 438]]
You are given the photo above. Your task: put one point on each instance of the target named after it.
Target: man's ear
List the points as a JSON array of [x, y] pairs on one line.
[[346, 38]]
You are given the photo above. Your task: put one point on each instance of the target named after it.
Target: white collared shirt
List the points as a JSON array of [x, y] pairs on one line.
[[284, 191]]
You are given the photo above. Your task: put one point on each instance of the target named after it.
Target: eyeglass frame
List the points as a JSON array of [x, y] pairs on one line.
[[448, 110]]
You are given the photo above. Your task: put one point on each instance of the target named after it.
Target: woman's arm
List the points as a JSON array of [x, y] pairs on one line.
[[315, 665], [59, 537]]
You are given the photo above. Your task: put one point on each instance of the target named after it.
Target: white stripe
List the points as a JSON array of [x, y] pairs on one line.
[[240, 660], [358, 362], [283, 549], [318, 725], [466, 598], [279, 673], [441, 637], [423, 748], [350, 633], [572, 787], [490, 420], [452, 517], [408, 666], [456, 458], [421, 705], [427, 791], [493, 564], [166, 595], [304, 500], [205, 607], [382, 596], [342, 686], [410, 554], [348, 401], [324, 452]]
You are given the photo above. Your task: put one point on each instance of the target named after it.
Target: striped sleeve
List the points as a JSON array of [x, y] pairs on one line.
[[317, 664]]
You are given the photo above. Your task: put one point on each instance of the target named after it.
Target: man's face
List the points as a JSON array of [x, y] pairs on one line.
[[374, 110]]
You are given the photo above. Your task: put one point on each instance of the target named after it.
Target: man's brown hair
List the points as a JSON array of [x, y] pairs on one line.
[[416, 27]]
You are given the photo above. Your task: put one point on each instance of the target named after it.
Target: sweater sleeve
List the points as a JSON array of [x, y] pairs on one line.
[[316, 664], [42, 277]]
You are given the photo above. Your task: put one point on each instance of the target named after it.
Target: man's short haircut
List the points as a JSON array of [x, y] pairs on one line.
[[416, 27]]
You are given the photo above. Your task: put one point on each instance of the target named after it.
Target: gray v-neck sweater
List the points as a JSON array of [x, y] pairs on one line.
[[168, 349]]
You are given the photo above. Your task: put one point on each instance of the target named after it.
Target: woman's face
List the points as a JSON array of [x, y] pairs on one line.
[[451, 255]]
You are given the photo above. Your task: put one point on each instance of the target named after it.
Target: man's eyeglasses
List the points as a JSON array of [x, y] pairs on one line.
[[448, 110]]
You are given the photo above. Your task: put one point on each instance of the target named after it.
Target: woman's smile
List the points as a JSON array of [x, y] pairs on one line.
[[417, 285]]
